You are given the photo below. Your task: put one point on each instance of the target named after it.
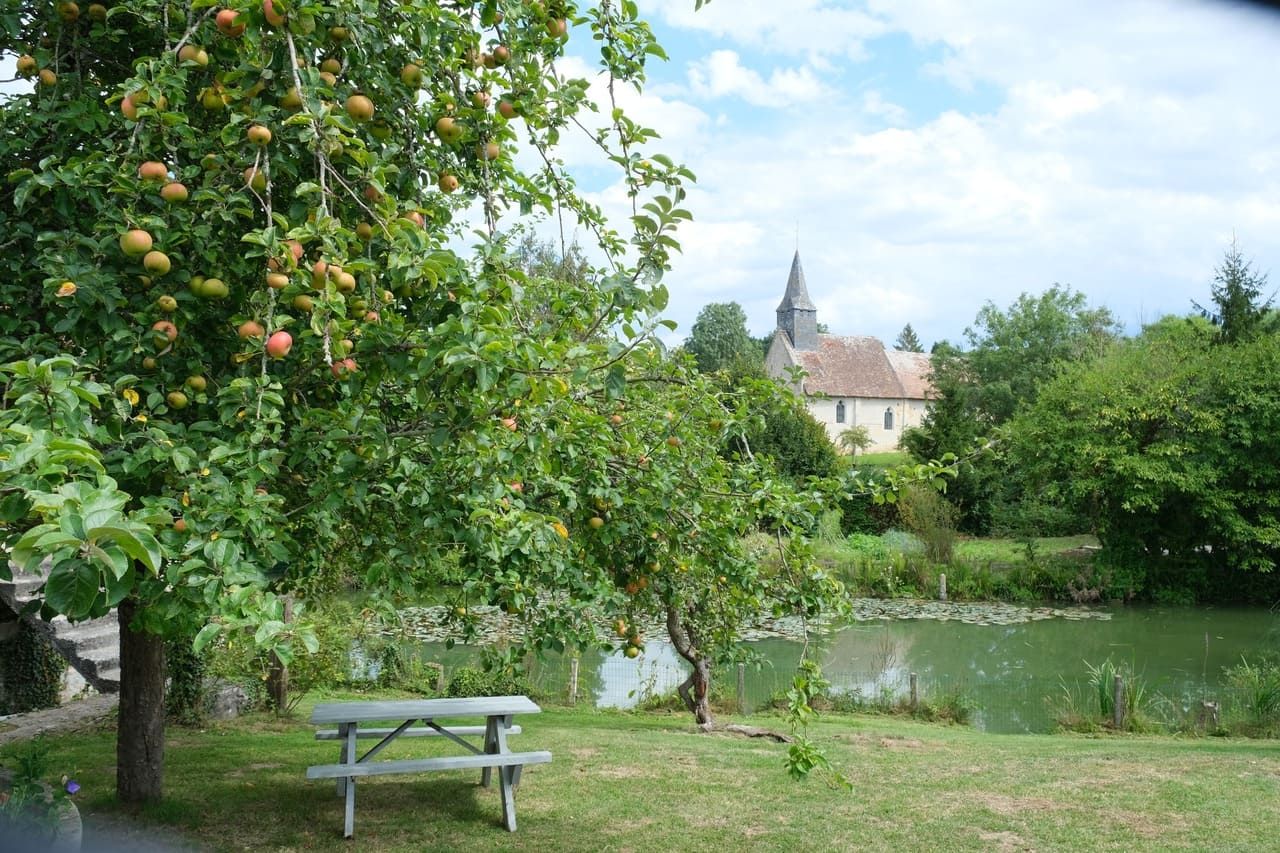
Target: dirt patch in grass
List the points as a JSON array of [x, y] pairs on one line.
[[1006, 806], [885, 741], [631, 771], [1149, 826], [1004, 842], [589, 752]]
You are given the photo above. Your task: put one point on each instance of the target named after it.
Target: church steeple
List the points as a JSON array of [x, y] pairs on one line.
[[797, 315]]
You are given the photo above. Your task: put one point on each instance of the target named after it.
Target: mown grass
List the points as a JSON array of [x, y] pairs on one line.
[[645, 782], [886, 459], [1014, 550]]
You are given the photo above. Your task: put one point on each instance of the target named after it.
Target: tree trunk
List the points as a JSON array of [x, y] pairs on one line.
[[278, 674], [140, 730], [695, 689]]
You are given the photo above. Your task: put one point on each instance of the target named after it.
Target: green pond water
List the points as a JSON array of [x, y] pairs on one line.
[[1018, 667]]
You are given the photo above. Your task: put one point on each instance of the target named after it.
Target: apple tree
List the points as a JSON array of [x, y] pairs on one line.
[[265, 312], [244, 336]]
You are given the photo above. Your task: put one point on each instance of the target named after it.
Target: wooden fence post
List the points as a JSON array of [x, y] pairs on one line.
[[942, 587], [915, 692], [573, 681], [1117, 702], [742, 688]]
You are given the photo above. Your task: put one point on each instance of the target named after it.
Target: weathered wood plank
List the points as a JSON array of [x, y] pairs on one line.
[[478, 706], [422, 765]]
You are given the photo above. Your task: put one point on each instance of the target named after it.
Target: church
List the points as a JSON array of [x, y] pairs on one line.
[[852, 380]]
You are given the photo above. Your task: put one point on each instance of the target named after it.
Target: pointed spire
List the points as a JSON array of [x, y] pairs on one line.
[[797, 295], [797, 315]]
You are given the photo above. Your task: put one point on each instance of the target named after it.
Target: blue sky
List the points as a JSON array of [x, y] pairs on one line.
[[932, 156], [929, 156]]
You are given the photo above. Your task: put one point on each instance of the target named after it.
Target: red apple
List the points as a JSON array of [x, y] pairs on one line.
[[251, 329], [174, 192], [153, 170], [274, 18], [226, 22], [279, 344], [163, 333]]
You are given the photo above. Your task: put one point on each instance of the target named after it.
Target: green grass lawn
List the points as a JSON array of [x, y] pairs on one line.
[[886, 459], [649, 782], [1014, 550]]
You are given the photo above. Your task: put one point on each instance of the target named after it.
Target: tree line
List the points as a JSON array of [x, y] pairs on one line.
[[1162, 443]]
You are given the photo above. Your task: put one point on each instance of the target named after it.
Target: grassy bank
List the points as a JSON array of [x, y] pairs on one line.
[[896, 564], [649, 782]]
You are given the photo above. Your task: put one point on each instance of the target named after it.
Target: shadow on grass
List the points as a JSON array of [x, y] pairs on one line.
[[274, 805]]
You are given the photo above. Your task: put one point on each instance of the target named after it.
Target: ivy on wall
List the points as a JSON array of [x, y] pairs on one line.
[[31, 672]]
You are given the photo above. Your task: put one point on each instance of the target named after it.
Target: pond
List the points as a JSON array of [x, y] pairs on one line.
[[1018, 666]]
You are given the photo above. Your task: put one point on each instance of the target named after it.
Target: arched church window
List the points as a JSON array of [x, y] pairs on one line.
[[840, 412], [888, 418]]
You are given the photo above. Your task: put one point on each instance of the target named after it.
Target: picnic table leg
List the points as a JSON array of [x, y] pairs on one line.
[[495, 741], [349, 827], [505, 776], [346, 751]]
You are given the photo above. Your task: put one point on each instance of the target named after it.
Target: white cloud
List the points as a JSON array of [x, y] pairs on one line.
[[722, 74], [795, 27], [1122, 146], [874, 104]]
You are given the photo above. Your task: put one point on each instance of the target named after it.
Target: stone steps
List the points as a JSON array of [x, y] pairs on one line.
[[92, 647]]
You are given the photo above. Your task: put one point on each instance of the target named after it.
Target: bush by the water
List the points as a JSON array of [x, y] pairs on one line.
[[468, 681], [896, 564]]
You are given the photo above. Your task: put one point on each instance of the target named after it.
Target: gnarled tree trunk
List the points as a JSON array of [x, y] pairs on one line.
[[140, 730], [693, 690]]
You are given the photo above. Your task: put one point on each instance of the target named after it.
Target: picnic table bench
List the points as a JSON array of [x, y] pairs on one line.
[[493, 753]]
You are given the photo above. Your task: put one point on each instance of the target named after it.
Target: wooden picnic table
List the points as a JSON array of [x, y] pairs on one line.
[[435, 716]]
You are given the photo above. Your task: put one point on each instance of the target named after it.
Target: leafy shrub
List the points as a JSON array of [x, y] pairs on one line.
[[468, 681], [931, 518]]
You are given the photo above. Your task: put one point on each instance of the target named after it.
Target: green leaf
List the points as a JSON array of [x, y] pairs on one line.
[[72, 587], [206, 636], [137, 542], [615, 385]]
